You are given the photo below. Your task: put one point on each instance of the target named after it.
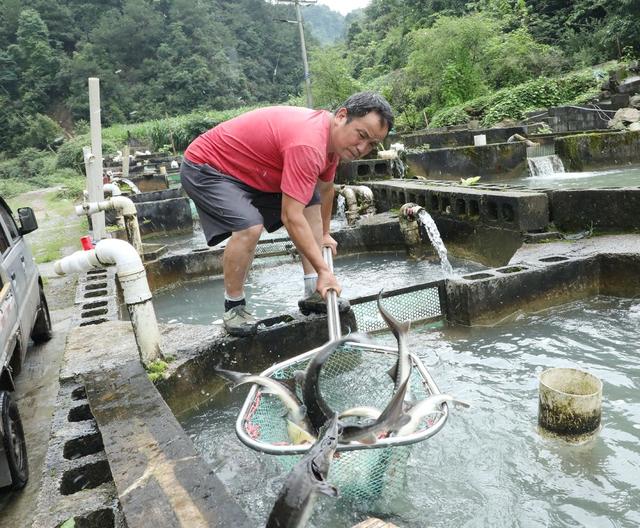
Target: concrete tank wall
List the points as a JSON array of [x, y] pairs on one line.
[[501, 161], [596, 151]]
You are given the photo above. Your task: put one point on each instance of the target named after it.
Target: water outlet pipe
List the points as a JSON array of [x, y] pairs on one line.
[[127, 216], [410, 230], [351, 203], [133, 279]]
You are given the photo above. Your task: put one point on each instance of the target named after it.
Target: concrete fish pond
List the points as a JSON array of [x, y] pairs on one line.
[[488, 466], [167, 453]]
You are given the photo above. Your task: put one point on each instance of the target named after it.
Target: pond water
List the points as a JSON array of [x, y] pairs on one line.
[[276, 288], [622, 177], [489, 466]]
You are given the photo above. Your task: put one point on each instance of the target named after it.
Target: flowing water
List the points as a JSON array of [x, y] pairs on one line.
[[434, 235], [545, 166], [275, 289], [624, 177], [488, 466]]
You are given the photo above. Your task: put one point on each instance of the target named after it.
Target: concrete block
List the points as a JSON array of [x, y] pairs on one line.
[[363, 170]]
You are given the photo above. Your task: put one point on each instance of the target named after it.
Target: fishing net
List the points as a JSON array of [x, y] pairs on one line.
[[419, 303], [355, 375]]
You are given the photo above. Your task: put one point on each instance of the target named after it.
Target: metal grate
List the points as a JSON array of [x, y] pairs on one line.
[[275, 247], [419, 303], [541, 150], [361, 472]]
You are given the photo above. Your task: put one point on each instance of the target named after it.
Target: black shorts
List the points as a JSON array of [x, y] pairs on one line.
[[226, 204]]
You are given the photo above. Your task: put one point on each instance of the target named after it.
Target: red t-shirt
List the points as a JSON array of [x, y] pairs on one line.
[[274, 149]]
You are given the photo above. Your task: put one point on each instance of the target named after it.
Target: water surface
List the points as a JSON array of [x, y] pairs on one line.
[[273, 289], [488, 466], [623, 177]]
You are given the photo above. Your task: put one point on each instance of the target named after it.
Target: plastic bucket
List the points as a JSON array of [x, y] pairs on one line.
[[570, 402]]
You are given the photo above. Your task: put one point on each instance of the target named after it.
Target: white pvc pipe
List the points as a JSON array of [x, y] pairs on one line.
[[135, 287], [351, 203], [94, 161], [123, 207], [112, 189]]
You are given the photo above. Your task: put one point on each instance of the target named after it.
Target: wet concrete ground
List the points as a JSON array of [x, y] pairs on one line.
[[36, 390]]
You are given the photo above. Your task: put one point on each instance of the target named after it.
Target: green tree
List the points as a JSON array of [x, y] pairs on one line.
[[37, 62], [332, 83]]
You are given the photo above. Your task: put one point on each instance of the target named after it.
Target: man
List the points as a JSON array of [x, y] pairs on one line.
[[271, 167]]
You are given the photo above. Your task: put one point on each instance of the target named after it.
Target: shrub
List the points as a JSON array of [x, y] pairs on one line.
[[41, 132], [70, 154]]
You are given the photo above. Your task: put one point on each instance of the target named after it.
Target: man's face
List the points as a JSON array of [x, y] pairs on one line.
[[355, 139]]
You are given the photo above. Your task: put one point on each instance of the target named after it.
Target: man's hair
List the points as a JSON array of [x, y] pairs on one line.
[[361, 103]]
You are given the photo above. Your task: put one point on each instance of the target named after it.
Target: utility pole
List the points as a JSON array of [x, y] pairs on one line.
[[307, 76]]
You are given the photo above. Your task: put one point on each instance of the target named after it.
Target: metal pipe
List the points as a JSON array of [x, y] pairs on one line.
[[333, 314], [133, 279]]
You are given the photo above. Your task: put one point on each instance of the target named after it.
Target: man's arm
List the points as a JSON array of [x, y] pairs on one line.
[[302, 236]]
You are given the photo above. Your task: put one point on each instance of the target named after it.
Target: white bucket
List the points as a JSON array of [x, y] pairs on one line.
[[480, 140], [570, 402]]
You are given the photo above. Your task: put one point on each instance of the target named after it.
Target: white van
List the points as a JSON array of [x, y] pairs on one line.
[[24, 314]]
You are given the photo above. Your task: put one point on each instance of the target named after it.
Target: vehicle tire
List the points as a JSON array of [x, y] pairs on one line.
[[13, 441], [42, 329]]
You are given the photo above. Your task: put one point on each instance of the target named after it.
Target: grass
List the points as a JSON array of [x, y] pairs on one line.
[[59, 230]]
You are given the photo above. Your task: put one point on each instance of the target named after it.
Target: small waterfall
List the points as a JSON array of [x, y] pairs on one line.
[[339, 220], [434, 235], [545, 166]]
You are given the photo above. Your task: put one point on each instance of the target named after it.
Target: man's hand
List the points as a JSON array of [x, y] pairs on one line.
[[327, 281], [328, 241]]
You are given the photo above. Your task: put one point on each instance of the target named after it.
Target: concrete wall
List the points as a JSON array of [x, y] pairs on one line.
[[501, 161], [602, 209], [595, 151], [456, 138], [156, 215]]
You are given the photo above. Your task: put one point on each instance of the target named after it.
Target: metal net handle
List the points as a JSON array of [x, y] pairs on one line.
[[333, 315]]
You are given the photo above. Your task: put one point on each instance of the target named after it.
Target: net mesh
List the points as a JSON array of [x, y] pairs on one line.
[[353, 376], [274, 247], [418, 304]]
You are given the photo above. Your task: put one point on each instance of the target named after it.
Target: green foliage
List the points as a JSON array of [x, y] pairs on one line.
[[41, 132], [454, 115], [156, 369], [70, 154], [332, 83]]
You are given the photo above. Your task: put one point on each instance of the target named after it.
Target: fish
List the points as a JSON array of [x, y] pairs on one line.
[[362, 412], [295, 502], [402, 369], [298, 435], [318, 411], [392, 418], [431, 405], [296, 411]]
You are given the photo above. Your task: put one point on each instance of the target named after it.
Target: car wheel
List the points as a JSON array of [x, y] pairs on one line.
[[42, 329], [14, 445]]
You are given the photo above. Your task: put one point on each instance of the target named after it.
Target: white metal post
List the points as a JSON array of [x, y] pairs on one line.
[[94, 161]]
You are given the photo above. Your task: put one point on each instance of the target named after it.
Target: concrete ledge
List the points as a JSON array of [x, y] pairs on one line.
[[159, 477], [603, 209], [596, 151], [501, 161], [491, 295], [508, 209], [456, 138], [76, 479]]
